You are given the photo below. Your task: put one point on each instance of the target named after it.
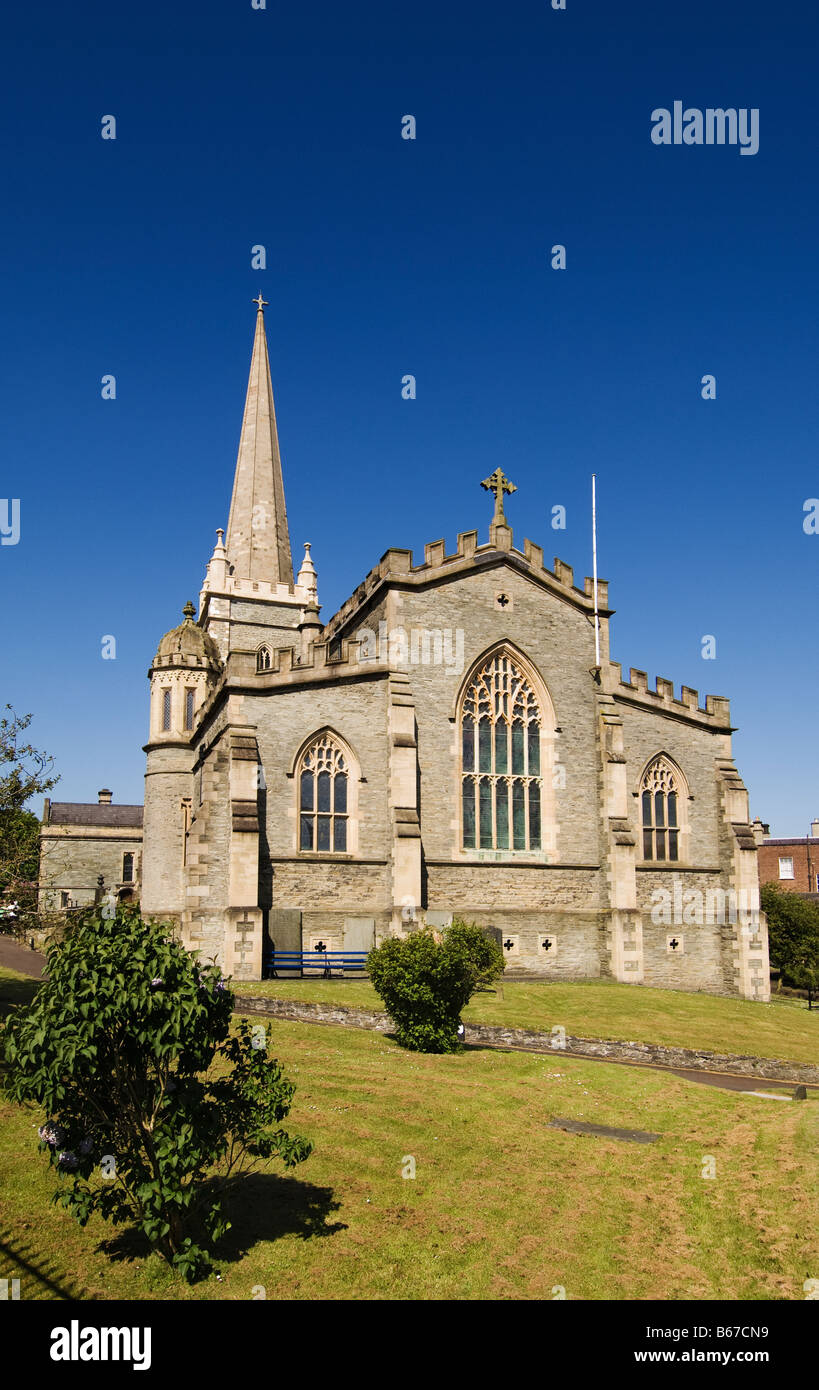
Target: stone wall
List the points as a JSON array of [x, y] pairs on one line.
[[559, 642], [284, 720], [642, 1054], [72, 860]]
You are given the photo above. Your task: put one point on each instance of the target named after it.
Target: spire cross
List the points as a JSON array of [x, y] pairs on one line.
[[261, 302], [498, 483]]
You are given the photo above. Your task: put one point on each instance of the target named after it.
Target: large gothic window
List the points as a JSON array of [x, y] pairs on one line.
[[660, 802], [323, 797], [501, 785]]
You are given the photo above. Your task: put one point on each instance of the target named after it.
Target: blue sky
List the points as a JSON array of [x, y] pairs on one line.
[[282, 127]]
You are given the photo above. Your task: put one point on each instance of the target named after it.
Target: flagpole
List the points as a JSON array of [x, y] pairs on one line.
[[594, 573]]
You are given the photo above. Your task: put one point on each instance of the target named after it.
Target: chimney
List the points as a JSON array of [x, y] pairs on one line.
[[104, 797], [814, 829], [761, 830]]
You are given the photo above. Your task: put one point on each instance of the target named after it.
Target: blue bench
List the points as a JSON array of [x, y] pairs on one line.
[[325, 961]]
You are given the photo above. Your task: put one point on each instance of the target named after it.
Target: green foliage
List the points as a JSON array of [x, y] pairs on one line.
[[793, 936], [19, 841], [425, 979], [19, 852], [153, 1105], [24, 773]]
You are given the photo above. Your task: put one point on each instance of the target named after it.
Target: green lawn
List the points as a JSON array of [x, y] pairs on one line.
[[502, 1206], [602, 1009]]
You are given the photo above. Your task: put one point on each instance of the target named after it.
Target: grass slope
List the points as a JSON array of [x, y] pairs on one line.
[[502, 1206], [603, 1009]]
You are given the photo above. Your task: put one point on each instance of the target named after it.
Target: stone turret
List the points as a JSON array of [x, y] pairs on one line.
[[186, 664], [183, 673]]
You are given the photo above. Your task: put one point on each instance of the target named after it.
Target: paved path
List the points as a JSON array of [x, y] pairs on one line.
[[737, 1083], [20, 958], [724, 1081]]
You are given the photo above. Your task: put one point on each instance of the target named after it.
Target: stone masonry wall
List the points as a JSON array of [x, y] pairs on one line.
[[559, 642], [73, 863], [284, 720], [602, 1049]]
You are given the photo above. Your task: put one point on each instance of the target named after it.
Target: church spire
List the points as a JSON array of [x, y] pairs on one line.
[[258, 541]]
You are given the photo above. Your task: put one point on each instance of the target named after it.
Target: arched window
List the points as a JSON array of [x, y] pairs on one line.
[[660, 810], [501, 784], [324, 814], [263, 659], [127, 868]]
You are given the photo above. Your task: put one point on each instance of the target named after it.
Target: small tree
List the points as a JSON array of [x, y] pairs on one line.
[[793, 937], [24, 772], [427, 978], [151, 1105]]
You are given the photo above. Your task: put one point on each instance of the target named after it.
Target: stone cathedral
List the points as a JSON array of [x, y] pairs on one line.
[[448, 743]]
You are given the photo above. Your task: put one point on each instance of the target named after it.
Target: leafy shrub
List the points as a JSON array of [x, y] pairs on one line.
[[793, 937], [427, 978], [152, 1104]]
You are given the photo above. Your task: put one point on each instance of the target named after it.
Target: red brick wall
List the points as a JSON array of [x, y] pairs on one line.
[[805, 856]]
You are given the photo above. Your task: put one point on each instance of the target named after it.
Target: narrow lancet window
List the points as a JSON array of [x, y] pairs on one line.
[[659, 797], [323, 799]]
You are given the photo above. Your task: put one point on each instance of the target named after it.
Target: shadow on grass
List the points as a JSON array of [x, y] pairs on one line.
[[13, 993], [260, 1207], [267, 1206], [39, 1275]]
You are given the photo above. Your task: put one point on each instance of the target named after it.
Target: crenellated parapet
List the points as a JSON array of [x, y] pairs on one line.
[[340, 657], [716, 712], [339, 660], [397, 567]]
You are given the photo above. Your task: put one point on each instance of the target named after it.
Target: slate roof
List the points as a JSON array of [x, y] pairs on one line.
[[92, 813], [803, 839]]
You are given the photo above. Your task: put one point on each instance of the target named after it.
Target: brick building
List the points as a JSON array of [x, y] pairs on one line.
[[791, 864]]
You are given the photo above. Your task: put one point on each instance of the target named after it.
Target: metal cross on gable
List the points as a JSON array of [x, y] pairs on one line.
[[498, 483]]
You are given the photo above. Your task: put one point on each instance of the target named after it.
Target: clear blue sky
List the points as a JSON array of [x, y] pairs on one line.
[[385, 256]]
